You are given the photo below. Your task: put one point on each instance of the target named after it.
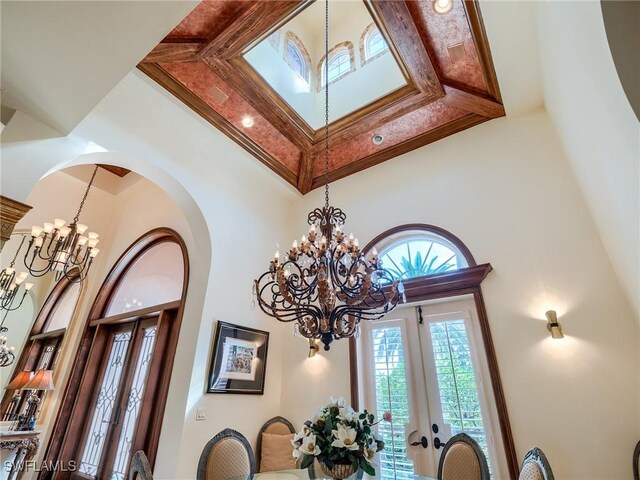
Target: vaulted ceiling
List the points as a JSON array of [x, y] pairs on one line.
[[445, 58]]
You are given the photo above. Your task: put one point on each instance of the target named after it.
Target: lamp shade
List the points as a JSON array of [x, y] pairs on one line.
[[42, 380], [20, 380]]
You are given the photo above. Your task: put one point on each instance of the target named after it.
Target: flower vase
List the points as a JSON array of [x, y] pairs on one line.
[[338, 471]]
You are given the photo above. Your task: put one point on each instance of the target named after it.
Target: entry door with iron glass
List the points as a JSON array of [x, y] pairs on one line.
[[112, 425], [426, 365]]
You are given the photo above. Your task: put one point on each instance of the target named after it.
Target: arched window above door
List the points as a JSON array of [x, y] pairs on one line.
[[414, 251], [62, 312], [154, 278]]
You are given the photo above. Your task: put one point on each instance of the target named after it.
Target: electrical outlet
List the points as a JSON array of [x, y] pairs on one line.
[[201, 414]]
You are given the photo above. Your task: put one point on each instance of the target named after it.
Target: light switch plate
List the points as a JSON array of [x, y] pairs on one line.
[[201, 414]]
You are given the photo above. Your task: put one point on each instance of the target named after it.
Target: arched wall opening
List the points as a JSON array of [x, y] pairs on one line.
[[121, 211]]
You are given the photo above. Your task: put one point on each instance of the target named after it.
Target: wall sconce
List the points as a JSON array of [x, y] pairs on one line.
[[553, 326], [313, 348]]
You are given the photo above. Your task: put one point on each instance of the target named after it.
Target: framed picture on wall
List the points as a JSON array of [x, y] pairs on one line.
[[239, 360]]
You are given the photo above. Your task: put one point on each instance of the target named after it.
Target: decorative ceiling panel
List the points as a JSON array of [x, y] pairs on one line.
[[450, 83]]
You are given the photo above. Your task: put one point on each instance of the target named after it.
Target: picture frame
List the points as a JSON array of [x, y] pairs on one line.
[[238, 361]]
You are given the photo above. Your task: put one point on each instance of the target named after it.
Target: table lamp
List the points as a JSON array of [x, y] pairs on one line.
[[17, 384], [41, 381]]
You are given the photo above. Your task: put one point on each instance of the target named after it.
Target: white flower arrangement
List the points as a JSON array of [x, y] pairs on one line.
[[338, 435]]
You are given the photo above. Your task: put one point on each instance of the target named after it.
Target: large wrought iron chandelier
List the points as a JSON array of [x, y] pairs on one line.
[[10, 283], [324, 283], [63, 250]]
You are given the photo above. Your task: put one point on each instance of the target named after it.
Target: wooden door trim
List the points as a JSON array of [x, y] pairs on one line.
[[153, 310], [103, 365], [73, 401], [452, 284]]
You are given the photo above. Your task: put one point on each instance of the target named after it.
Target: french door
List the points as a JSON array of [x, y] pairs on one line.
[[426, 365], [116, 418]]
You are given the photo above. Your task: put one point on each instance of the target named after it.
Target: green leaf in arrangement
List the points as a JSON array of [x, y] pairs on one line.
[[366, 467], [307, 460]]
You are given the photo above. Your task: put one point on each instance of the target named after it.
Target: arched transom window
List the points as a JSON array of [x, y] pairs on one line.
[[419, 253], [373, 44], [297, 57], [341, 63]]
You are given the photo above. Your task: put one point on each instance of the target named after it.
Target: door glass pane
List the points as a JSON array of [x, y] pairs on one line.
[[105, 403], [134, 400], [153, 279], [391, 396], [459, 398]]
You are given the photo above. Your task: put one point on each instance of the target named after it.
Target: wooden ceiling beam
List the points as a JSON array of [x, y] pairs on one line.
[[305, 175], [119, 171], [471, 102], [481, 41], [405, 39], [259, 99], [170, 52], [252, 24]]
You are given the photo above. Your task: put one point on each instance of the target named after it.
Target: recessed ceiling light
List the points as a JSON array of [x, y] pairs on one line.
[[377, 139], [442, 6], [247, 122]]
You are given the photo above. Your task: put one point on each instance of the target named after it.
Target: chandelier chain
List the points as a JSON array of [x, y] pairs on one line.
[[86, 193], [13, 262], [326, 104]]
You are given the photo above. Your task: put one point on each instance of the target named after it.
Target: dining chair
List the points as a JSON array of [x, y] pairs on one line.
[[636, 462], [139, 468], [535, 466], [462, 459], [279, 426], [225, 456]]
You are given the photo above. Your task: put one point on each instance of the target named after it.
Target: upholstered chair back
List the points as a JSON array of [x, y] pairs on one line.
[[225, 456], [462, 459], [535, 466], [274, 426], [139, 468], [636, 462]]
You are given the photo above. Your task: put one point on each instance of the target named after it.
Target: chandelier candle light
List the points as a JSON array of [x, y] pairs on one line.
[[325, 284], [66, 250], [10, 284]]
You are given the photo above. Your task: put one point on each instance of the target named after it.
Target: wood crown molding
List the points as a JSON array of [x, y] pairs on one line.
[[221, 49], [11, 212]]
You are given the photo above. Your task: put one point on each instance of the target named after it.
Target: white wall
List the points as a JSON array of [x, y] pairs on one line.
[[235, 208], [506, 189], [599, 131]]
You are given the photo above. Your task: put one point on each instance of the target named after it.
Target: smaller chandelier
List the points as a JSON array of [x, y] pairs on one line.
[[6, 353], [63, 249], [325, 284], [10, 283]]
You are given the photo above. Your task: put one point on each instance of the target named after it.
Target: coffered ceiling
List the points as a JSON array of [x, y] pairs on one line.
[[450, 85]]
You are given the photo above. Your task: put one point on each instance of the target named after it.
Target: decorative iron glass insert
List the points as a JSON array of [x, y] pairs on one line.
[[134, 401], [105, 404]]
